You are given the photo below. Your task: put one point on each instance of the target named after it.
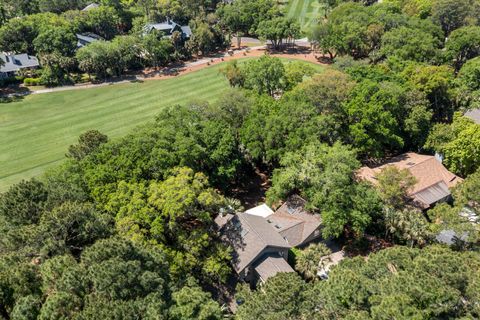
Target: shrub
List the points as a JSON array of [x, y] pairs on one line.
[[11, 80], [292, 256], [31, 81]]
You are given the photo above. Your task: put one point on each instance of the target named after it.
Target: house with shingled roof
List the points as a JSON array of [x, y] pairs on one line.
[[434, 181], [260, 237], [294, 223], [13, 63], [84, 39], [167, 28]]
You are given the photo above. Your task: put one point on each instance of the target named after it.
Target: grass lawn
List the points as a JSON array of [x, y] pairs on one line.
[[306, 11], [36, 131]]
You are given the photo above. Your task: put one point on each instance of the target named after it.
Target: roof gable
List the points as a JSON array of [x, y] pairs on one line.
[[249, 236], [271, 264], [433, 179], [293, 222], [15, 62], [432, 194], [169, 27], [91, 6]]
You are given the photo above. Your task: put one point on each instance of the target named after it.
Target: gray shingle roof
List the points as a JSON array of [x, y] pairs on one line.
[[15, 62], [249, 236], [91, 6], [86, 38], [271, 264], [168, 27], [293, 222], [474, 115]]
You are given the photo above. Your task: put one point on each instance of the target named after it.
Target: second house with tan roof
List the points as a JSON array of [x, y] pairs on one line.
[[433, 180]]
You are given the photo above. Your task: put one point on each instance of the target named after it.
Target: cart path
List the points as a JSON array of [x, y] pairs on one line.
[[189, 67]]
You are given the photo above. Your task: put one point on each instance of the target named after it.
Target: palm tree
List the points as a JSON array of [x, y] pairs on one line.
[[310, 259], [408, 225]]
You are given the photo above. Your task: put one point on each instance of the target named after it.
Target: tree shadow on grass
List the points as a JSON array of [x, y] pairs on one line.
[[13, 94]]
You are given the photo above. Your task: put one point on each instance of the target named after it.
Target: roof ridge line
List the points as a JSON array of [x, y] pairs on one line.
[[252, 227]]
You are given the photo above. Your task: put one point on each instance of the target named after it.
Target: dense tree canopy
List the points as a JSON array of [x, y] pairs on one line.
[[458, 143], [394, 186], [462, 45], [124, 228], [392, 283], [265, 75], [325, 177], [468, 90]]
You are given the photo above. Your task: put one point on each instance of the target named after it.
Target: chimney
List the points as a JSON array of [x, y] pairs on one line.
[[439, 157]]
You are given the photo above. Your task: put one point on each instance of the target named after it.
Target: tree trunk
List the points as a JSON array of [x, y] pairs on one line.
[[239, 41]]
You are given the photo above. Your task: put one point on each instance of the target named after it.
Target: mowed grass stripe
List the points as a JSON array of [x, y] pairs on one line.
[[90, 102], [120, 107], [112, 106], [125, 120], [36, 132], [122, 111], [305, 11], [119, 92], [293, 7]]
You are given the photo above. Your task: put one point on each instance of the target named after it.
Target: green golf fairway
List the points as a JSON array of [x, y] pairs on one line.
[[306, 11], [36, 131]]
